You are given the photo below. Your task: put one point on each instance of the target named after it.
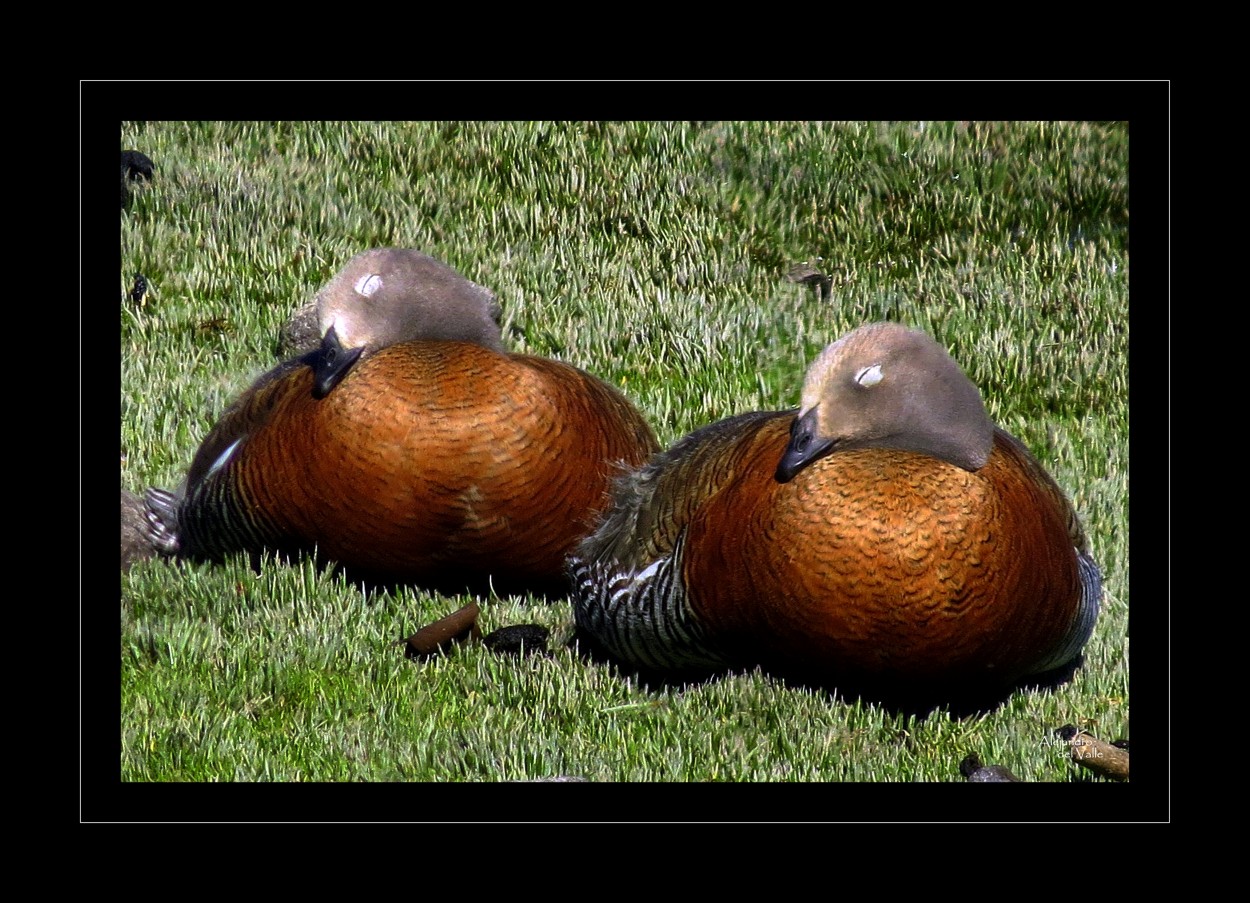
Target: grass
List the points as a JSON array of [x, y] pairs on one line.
[[654, 255]]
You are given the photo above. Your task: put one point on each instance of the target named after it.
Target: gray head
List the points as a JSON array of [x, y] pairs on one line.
[[886, 386], [390, 295]]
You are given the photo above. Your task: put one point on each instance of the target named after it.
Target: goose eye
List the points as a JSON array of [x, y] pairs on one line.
[[368, 285], [869, 376]]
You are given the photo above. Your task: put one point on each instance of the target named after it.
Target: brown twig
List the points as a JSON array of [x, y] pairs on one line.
[[444, 633], [1107, 759]]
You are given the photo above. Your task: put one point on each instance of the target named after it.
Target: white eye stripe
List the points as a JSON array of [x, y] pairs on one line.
[[869, 376], [368, 285]]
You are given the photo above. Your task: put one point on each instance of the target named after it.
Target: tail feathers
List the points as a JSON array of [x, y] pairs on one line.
[[162, 511], [1086, 617]]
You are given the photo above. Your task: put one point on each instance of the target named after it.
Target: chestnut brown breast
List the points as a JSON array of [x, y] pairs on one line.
[[431, 461], [870, 563]]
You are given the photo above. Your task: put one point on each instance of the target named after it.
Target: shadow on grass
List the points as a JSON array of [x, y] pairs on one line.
[[373, 584], [962, 699]]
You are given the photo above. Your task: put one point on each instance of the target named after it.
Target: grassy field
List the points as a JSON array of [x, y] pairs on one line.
[[654, 255]]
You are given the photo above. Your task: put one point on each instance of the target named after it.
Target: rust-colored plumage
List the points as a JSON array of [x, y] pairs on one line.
[[439, 462], [833, 544]]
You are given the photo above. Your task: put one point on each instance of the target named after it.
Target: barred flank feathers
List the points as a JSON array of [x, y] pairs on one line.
[[642, 617]]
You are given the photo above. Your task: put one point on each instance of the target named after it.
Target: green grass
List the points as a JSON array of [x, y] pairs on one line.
[[654, 255]]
